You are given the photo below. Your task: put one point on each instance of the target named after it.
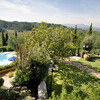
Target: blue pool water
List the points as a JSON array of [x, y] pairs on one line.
[[4, 58]]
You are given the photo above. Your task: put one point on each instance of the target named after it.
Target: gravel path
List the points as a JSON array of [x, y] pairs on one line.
[[78, 65], [6, 84]]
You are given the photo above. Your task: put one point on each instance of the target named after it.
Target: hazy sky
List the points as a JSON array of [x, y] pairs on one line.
[[53, 11]]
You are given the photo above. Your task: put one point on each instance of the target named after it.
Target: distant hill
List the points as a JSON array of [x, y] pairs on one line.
[[27, 26], [82, 26], [20, 26]]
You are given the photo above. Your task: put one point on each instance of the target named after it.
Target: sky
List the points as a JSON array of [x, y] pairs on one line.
[[52, 11]]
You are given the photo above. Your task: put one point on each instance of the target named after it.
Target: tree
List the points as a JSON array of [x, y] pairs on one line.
[[88, 40], [3, 39], [6, 38], [32, 66], [12, 42], [33, 29], [90, 30], [15, 34], [88, 43], [74, 36], [35, 53]]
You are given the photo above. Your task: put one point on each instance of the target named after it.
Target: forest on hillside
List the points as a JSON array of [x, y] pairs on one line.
[[20, 26]]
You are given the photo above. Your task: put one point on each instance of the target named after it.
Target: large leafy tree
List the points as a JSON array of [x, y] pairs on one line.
[[40, 46]]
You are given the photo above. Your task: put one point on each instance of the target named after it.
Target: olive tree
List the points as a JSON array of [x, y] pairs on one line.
[[39, 47]]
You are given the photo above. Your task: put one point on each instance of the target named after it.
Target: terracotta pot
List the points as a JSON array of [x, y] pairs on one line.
[[86, 57]]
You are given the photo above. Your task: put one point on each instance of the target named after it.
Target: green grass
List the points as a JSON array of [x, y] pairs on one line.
[[94, 63], [75, 79], [11, 31]]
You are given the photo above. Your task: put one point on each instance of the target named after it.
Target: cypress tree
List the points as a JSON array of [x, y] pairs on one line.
[[90, 30], [15, 34], [74, 35], [6, 38], [33, 29], [3, 39]]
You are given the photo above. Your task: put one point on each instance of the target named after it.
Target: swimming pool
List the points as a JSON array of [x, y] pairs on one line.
[[4, 58]]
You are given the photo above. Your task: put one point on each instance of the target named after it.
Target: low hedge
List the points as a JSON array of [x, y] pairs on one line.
[[7, 70], [10, 74], [8, 66], [6, 48]]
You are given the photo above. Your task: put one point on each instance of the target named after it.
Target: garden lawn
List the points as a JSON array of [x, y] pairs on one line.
[[94, 63], [77, 81]]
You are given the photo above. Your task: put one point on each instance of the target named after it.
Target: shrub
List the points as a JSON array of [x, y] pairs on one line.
[[9, 95], [6, 48], [12, 42], [10, 74], [88, 43], [73, 51], [48, 80], [31, 76], [1, 81]]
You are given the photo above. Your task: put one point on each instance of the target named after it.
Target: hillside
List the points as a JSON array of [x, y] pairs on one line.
[[27, 26], [20, 26]]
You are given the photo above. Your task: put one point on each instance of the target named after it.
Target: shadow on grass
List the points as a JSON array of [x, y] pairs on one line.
[[92, 59], [89, 66], [74, 77], [55, 87]]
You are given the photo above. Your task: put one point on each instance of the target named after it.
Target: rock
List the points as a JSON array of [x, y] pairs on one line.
[[42, 91], [24, 88], [17, 88], [23, 93]]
